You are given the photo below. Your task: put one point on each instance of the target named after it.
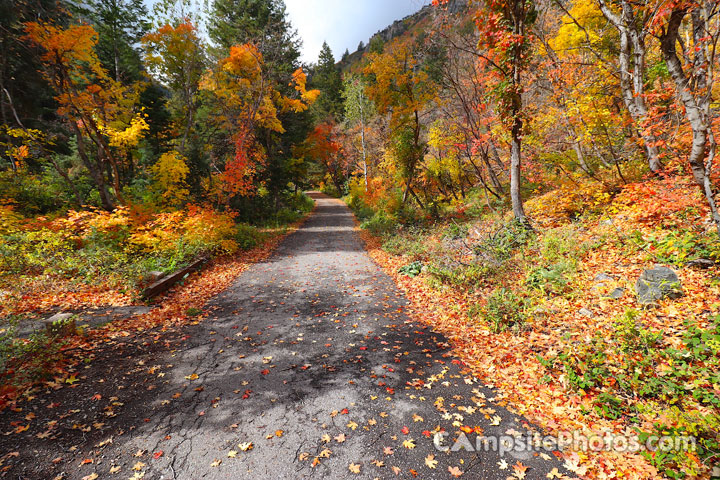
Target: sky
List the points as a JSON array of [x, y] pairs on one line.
[[343, 24]]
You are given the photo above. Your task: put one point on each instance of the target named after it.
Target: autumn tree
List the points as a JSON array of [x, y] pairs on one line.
[[504, 49], [175, 54], [323, 146], [262, 22], [632, 21], [692, 68], [250, 102], [400, 87], [98, 110]]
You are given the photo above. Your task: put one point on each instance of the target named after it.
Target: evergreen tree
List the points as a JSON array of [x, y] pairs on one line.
[[327, 79], [120, 25], [345, 56], [262, 22]]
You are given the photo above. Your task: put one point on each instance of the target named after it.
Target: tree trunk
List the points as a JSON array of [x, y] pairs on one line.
[[632, 46], [696, 109]]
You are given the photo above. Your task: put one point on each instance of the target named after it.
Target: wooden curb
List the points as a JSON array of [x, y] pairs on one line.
[[164, 284]]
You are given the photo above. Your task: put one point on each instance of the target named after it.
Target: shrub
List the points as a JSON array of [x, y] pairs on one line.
[[501, 244], [380, 224], [411, 269], [504, 310], [247, 236], [553, 279]]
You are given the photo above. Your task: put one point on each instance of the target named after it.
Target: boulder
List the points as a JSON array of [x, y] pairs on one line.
[[61, 324], [657, 283]]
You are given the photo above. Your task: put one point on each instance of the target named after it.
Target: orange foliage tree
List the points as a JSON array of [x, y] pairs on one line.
[[99, 110]]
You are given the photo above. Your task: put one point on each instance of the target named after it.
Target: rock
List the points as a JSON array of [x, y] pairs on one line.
[[61, 324], [607, 223], [586, 313], [603, 277], [657, 283], [617, 293]]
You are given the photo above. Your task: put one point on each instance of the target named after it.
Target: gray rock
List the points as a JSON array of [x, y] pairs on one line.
[[608, 222], [603, 277], [58, 317], [586, 313], [617, 293], [657, 283]]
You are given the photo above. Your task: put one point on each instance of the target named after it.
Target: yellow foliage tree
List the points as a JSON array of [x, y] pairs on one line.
[[170, 175]]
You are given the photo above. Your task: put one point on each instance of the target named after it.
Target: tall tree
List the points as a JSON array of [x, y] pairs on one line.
[[633, 23], [400, 87], [120, 25], [262, 22], [326, 78], [175, 54], [358, 109], [694, 79]]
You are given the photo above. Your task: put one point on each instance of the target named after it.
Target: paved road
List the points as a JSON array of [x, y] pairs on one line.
[[309, 357]]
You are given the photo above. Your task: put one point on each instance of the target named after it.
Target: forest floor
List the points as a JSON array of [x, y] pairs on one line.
[[307, 365]]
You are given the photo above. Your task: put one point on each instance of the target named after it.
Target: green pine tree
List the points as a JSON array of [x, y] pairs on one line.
[[327, 79]]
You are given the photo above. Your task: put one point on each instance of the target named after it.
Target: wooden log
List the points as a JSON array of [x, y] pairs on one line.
[[165, 283]]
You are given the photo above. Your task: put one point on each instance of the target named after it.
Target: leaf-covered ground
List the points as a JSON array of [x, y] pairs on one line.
[[583, 321]]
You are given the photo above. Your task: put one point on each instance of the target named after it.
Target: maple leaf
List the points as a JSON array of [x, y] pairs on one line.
[[397, 470], [216, 463], [193, 376], [325, 438], [388, 451], [409, 444], [430, 461], [378, 463], [455, 471], [503, 465], [519, 470], [138, 466], [352, 425], [246, 446], [354, 468], [554, 473], [340, 438], [232, 454], [92, 476], [115, 468]]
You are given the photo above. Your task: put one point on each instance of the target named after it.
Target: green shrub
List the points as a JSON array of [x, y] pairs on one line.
[[380, 224], [504, 242], [247, 236], [553, 279], [504, 310], [455, 231], [411, 269], [681, 247]]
